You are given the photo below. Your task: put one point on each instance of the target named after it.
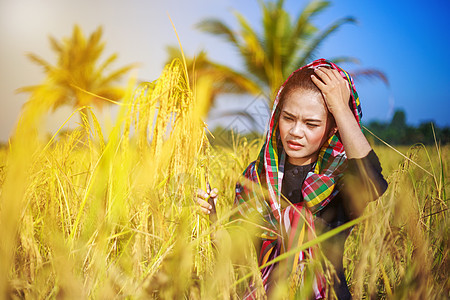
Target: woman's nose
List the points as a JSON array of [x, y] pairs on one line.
[[297, 130]]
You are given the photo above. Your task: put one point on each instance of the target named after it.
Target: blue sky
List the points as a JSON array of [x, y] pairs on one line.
[[407, 40]]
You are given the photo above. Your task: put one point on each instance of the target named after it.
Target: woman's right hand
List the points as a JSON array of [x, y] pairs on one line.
[[207, 201]]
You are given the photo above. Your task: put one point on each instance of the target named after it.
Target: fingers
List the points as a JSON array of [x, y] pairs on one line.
[[205, 207], [325, 82], [214, 193], [203, 197], [328, 75], [334, 87], [202, 194], [208, 187], [335, 73], [331, 79], [324, 74], [318, 82]]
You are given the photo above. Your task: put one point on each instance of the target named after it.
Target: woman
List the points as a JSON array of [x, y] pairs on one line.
[[319, 171]]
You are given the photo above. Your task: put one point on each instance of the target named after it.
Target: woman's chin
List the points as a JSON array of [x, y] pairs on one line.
[[299, 157], [294, 155]]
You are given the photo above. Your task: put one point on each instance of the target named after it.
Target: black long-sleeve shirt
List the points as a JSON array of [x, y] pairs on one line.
[[362, 182]]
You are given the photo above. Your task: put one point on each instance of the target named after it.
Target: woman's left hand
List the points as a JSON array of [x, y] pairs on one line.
[[335, 89]]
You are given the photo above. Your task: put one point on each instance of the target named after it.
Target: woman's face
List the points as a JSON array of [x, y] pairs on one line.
[[304, 126]]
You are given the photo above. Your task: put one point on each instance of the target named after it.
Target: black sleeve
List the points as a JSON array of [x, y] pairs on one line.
[[362, 183]]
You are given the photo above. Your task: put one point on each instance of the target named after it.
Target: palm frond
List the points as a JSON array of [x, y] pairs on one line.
[[217, 27], [251, 49], [27, 89], [320, 38], [94, 47], [303, 26], [117, 75], [112, 58], [370, 74], [41, 62], [55, 45], [234, 81], [345, 59], [78, 40], [94, 38]]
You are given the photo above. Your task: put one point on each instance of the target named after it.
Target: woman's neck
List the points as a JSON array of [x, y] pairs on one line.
[[290, 165], [301, 161]]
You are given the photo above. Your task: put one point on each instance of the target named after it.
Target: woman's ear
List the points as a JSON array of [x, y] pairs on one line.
[[332, 125], [333, 131]]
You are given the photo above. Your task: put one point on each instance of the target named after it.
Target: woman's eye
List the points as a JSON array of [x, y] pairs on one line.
[[287, 118], [312, 125]]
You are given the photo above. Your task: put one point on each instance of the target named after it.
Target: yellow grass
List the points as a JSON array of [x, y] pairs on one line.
[[91, 216]]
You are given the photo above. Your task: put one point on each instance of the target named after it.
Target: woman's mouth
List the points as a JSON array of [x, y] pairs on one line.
[[294, 145]]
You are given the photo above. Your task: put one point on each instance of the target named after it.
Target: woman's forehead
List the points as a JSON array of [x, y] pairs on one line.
[[301, 102]]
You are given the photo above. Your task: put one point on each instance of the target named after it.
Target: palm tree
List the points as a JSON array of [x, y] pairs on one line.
[[284, 45], [78, 78]]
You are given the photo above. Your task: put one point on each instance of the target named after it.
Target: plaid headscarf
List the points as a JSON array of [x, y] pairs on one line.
[[289, 226]]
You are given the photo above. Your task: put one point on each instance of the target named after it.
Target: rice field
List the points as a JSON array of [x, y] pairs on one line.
[[89, 214]]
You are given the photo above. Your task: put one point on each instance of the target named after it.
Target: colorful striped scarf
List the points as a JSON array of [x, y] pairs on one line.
[[289, 226]]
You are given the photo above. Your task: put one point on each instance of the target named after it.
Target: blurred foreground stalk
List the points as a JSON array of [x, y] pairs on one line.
[[23, 147]]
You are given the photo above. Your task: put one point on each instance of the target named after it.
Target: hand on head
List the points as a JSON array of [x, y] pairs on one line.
[[336, 91], [334, 87]]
